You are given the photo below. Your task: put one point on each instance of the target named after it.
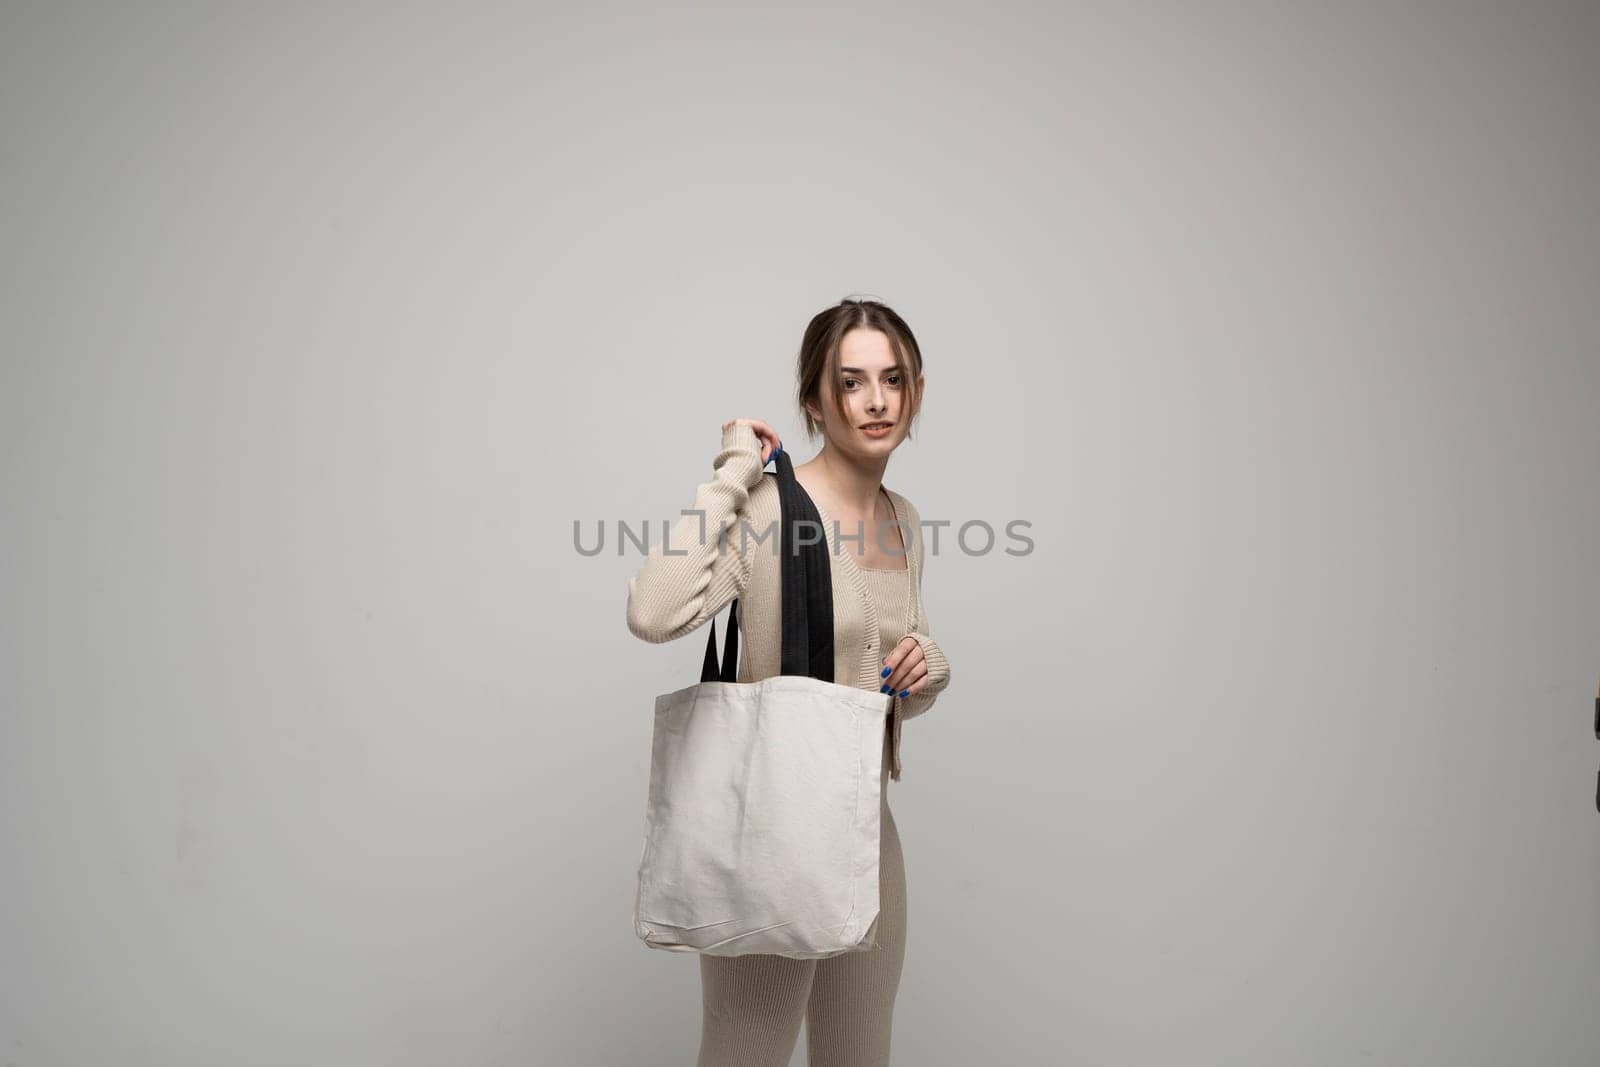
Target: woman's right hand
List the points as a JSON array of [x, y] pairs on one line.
[[765, 435]]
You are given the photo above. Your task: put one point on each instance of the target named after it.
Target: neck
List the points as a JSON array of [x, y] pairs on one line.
[[853, 483]]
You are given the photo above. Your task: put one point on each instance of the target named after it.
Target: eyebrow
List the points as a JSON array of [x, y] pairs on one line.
[[858, 370]]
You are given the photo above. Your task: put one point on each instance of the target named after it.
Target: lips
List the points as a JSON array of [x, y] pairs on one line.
[[877, 425]]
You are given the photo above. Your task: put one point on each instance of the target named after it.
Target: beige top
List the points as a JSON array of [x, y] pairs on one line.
[[891, 596], [686, 580]]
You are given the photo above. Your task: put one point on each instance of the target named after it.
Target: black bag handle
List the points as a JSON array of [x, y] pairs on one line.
[[807, 594]]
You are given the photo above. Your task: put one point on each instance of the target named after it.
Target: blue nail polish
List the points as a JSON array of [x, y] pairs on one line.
[[884, 689], [885, 673], [905, 692]]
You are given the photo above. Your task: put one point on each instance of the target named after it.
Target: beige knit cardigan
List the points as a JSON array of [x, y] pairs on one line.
[[690, 577]]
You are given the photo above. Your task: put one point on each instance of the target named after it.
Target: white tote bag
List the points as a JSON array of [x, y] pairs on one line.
[[762, 824]]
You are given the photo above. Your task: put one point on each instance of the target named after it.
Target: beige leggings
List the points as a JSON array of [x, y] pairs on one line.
[[753, 1004]]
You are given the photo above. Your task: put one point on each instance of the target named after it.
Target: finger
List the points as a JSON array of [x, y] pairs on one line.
[[913, 676], [911, 663], [767, 440], [769, 437], [906, 654], [899, 652], [916, 686]]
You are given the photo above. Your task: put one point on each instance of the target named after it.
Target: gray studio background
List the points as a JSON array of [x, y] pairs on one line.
[[320, 743]]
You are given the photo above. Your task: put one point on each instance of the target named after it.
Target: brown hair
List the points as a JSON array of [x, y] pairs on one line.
[[819, 355]]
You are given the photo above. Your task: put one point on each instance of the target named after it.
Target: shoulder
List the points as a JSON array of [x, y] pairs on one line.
[[906, 507], [914, 521]]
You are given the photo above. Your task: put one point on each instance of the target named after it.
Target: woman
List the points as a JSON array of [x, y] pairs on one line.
[[860, 384]]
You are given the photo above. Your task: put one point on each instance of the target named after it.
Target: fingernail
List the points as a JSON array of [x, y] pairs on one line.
[[884, 689], [885, 673], [905, 692]]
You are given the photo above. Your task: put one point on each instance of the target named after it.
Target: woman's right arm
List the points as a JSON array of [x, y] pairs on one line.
[[673, 594]]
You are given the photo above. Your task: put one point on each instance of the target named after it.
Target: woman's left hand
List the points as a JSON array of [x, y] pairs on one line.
[[906, 668]]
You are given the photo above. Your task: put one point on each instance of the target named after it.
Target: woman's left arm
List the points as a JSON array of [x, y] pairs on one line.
[[927, 689]]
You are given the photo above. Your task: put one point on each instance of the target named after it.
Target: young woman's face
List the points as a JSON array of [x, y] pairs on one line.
[[874, 390]]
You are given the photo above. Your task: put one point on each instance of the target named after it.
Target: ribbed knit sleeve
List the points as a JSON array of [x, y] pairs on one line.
[[675, 592], [938, 679]]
